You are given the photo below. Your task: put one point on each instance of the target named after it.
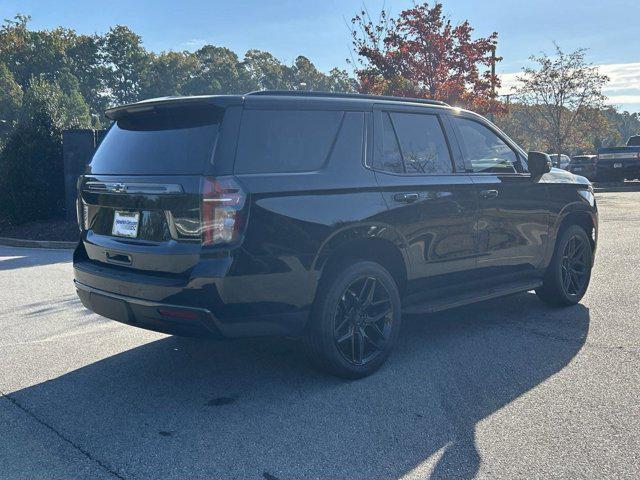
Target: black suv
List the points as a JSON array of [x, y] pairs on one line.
[[323, 216]]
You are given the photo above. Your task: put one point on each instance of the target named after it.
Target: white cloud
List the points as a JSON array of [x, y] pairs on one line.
[[193, 44], [622, 76], [623, 87]]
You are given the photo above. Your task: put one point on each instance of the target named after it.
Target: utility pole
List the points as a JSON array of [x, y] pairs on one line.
[[493, 82]]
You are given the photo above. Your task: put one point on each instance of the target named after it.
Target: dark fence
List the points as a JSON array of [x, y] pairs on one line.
[[78, 147]]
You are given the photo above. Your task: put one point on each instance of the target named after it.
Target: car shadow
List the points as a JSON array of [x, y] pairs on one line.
[[256, 408]]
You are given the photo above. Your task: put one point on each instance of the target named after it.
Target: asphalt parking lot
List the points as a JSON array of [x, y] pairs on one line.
[[506, 389]]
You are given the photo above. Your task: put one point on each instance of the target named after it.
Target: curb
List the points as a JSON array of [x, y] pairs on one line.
[[20, 242]]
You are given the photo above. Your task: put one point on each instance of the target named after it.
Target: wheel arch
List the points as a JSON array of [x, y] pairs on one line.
[[380, 244], [581, 217], [574, 214]]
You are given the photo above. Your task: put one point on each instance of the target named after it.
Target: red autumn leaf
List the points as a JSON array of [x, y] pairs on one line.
[[421, 54]]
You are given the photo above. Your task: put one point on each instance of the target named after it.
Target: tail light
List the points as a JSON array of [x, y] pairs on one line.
[[82, 214], [85, 215], [221, 217], [79, 214]]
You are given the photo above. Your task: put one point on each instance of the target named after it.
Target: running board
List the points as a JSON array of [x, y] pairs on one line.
[[459, 300]]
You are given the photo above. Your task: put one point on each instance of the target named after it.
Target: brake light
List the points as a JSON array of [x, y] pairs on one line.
[[82, 214], [221, 212]]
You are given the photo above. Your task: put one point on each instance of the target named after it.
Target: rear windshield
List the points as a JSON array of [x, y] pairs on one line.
[[173, 141]]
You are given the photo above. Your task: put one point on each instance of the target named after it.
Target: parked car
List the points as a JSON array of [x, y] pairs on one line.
[[584, 165], [563, 162], [617, 164], [323, 216]]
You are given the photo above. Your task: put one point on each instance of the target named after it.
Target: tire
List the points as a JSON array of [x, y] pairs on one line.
[[567, 277], [343, 337]]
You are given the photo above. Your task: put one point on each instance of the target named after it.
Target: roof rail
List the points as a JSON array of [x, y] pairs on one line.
[[305, 93]]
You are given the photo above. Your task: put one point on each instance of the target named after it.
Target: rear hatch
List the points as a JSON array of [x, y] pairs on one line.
[[140, 202]]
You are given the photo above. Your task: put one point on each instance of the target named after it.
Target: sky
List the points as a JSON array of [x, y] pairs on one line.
[[610, 30]]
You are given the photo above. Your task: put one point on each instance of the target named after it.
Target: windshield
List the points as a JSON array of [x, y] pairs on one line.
[[175, 141]]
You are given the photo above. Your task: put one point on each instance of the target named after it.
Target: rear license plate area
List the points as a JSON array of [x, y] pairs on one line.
[[125, 224], [617, 165]]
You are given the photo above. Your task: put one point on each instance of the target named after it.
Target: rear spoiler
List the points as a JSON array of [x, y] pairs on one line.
[[162, 103]]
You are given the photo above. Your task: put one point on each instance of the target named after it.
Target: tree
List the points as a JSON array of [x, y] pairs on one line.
[[127, 62], [31, 166], [16, 47], [169, 73], [75, 112], [85, 62], [564, 98], [10, 102], [421, 54], [264, 71], [518, 123], [340, 81], [304, 74], [218, 72], [56, 55], [624, 125], [523, 124]]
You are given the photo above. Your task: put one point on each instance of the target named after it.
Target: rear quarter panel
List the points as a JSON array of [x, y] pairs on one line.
[[296, 218]]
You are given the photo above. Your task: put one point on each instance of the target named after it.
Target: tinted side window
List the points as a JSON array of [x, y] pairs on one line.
[[483, 149], [422, 142], [389, 159], [285, 141]]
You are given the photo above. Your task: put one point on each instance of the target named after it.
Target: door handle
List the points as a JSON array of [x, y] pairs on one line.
[[406, 197], [489, 193]]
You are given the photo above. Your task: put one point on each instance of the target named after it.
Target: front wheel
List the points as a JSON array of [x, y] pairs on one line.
[[569, 272], [355, 320]]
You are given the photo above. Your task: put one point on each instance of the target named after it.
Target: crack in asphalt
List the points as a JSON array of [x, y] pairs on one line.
[[61, 436]]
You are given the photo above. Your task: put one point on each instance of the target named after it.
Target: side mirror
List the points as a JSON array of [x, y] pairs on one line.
[[539, 163]]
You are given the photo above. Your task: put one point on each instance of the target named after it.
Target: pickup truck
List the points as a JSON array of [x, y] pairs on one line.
[[616, 164]]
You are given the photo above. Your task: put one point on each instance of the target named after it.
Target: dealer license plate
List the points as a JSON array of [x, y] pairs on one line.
[[125, 224]]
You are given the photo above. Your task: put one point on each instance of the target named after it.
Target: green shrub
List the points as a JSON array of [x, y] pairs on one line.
[[31, 164]]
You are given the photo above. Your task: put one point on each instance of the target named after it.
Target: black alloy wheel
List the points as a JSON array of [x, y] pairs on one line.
[[363, 320], [575, 265], [356, 318], [567, 277]]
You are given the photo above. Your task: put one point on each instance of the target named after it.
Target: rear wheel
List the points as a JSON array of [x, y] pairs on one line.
[[569, 272], [355, 320]]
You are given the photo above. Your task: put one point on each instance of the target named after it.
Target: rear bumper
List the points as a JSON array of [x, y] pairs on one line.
[[160, 317], [628, 170], [207, 302]]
